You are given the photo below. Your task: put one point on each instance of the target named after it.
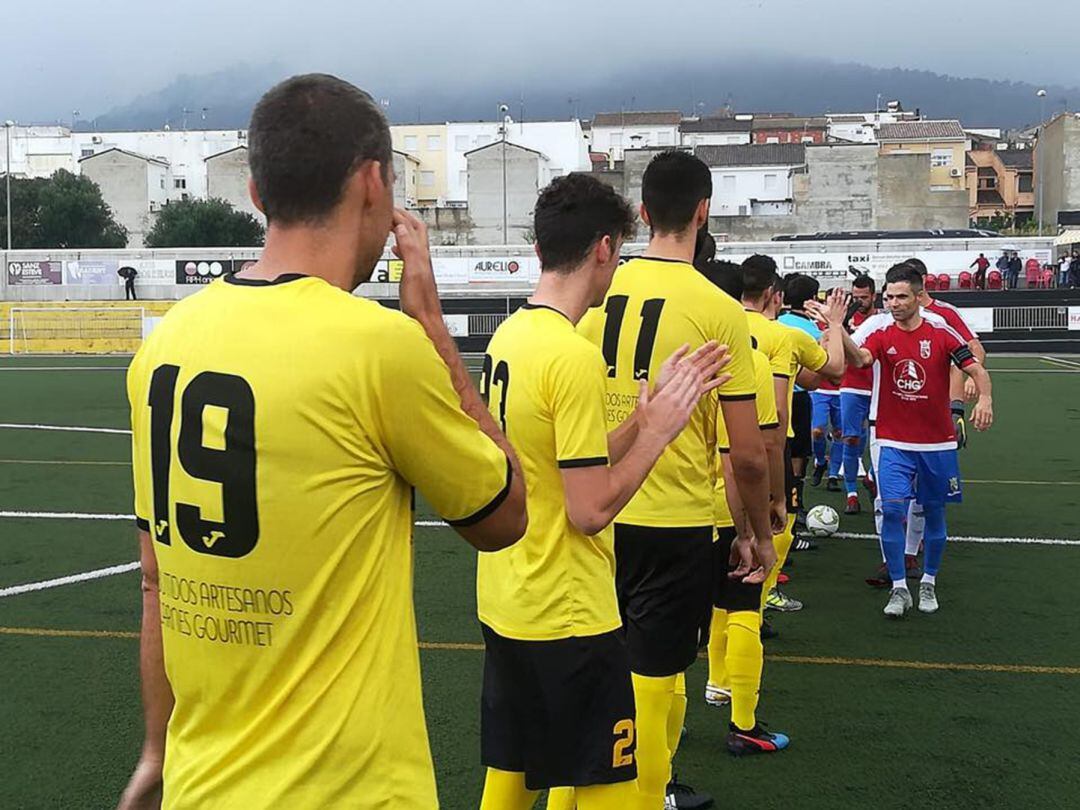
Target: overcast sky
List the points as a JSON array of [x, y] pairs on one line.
[[61, 56]]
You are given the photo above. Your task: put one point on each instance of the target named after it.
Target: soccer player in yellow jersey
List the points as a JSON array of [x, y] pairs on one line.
[[663, 537], [279, 426], [788, 350], [736, 656], [558, 704]]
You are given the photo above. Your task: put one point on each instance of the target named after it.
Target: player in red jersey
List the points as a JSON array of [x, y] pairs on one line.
[[960, 391], [917, 437], [855, 391]]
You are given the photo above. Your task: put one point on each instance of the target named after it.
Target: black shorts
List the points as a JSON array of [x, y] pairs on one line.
[[664, 579], [801, 417], [730, 594], [791, 484], [561, 712]]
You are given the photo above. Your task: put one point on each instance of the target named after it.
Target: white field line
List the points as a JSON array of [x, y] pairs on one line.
[[1046, 541], [7, 513], [64, 428], [112, 570], [45, 584], [1034, 370], [1061, 362], [1035, 541]]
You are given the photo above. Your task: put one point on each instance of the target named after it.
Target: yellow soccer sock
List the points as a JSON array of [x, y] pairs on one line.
[[745, 658], [619, 796], [505, 790], [565, 798], [653, 697], [718, 641], [782, 543], [677, 715]]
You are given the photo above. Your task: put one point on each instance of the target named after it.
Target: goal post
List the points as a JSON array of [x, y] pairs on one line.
[[75, 330]]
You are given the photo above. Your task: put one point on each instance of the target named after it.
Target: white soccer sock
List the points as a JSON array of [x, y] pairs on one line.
[[899, 583], [929, 579]]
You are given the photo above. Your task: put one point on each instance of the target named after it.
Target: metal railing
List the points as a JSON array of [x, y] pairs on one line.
[[1045, 317]]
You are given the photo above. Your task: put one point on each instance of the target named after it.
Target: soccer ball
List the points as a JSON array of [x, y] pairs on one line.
[[822, 521]]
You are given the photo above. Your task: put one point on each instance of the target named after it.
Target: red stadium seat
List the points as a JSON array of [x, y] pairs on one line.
[[930, 282], [1047, 279], [1032, 273], [993, 280], [943, 281], [964, 282]]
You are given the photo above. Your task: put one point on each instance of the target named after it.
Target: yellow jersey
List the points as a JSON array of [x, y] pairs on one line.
[[546, 384], [767, 420], [805, 353], [278, 430], [772, 340], [655, 306]]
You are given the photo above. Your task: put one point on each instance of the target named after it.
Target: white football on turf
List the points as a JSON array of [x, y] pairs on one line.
[[822, 520]]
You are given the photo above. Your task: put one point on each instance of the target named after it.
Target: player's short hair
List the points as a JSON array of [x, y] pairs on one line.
[[864, 282], [905, 271], [725, 275], [759, 274], [573, 213], [918, 264], [673, 186], [798, 289], [308, 135]]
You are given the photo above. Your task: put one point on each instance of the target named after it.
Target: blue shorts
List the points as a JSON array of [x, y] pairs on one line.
[[854, 412], [929, 476], [825, 411]]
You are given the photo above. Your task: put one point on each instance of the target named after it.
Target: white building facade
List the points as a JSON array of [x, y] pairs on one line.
[[612, 133], [36, 151], [185, 151], [562, 144]]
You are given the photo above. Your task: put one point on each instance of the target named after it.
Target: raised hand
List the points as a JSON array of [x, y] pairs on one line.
[[418, 293]]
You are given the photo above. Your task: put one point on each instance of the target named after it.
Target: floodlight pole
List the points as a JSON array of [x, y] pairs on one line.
[[7, 175]]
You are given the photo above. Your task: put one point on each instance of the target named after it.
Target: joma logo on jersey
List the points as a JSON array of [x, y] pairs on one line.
[[924, 349], [909, 377]]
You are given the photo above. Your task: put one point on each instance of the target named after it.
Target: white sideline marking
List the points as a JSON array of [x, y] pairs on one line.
[[65, 515], [1035, 541], [63, 368], [112, 570], [1043, 541], [1061, 361], [45, 584], [67, 428]]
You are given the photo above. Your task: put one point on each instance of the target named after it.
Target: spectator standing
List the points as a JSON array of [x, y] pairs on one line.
[[1012, 279], [128, 273], [1074, 270], [1063, 269]]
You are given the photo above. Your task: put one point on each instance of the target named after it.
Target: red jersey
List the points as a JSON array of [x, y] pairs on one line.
[[858, 380], [913, 407], [953, 318]]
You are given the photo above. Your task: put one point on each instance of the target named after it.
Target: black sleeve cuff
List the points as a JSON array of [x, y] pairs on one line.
[[770, 426], [494, 504], [738, 397], [572, 463], [142, 523], [782, 376]]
